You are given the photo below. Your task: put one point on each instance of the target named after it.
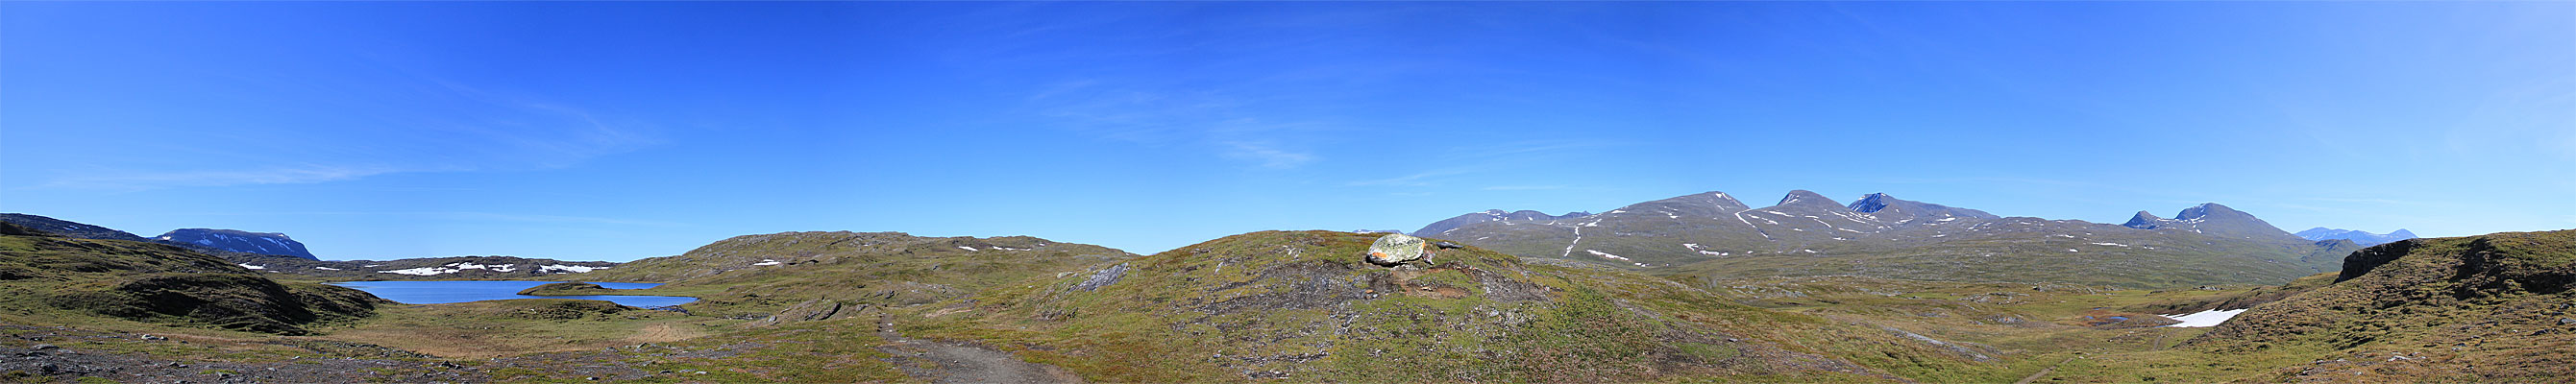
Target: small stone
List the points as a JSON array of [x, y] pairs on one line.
[[41, 347], [2566, 321]]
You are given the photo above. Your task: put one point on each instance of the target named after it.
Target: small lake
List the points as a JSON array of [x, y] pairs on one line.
[[440, 292]]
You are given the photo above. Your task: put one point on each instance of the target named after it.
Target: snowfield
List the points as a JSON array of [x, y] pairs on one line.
[[2209, 318]]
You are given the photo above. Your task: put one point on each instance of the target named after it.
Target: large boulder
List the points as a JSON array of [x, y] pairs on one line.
[[1398, 249]]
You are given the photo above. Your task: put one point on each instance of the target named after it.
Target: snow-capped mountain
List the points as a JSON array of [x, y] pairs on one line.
[[1806, 233], [237, 241], [1489, 215], [2358, 237]]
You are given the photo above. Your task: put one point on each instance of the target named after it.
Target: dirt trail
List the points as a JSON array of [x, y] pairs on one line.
[[2044, 372], [960, 363], [663, 333]]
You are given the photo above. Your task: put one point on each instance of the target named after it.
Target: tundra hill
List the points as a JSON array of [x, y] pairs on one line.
[[69, 278], [68, 228], [1712, 235], [1303, 306], [757, 272], [2490, 308]]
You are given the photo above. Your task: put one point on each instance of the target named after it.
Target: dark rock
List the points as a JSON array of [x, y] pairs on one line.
[[1105, 277]]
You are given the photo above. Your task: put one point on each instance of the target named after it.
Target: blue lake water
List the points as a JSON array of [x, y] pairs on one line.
[[437, 292]]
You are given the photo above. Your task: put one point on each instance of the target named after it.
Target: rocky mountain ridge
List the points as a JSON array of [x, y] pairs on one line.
[[2358, 237], [265, 243], [1445, 225], [215, 241], [1806, 233]]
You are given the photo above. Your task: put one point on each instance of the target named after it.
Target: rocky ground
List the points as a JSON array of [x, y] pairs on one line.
[[54, 354]]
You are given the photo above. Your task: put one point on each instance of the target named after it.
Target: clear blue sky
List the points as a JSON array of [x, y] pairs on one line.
[[615, 131]]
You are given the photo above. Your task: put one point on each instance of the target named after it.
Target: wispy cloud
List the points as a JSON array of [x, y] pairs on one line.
[[469, 216], [286, 175], [1269, 157], [2365, 201], [1422, 179], [453, 128]]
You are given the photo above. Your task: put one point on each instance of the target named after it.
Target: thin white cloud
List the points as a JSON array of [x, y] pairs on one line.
[[1269, 157], [460, 216], [151, 180], [462, 129], [1413, 180]]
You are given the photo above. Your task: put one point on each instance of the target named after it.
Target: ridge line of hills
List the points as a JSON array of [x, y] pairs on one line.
[[1807, 234]]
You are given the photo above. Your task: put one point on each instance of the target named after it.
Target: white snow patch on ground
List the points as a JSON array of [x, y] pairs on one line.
[[2072, 250], [422, 271], [326, 268], [766, 262], [494, 268], [567, 269], [252, 266], [967, 248], [2112, 244], [1606, 255], [2209, 318]]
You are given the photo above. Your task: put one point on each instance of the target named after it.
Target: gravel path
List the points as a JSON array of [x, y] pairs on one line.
[[961, 363]]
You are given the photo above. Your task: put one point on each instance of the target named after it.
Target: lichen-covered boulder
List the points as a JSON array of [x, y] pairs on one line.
[[1398, 249]]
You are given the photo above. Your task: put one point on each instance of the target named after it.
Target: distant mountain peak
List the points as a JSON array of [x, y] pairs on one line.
[[1870, 203], [2143, 220], [2202, 210], [265, 243], [1804, 197], [1444, 226], [2358, 237]]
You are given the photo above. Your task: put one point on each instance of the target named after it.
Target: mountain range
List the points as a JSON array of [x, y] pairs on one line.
[[1490, 215], [218, 240], [2357, 237], [1806, 234]]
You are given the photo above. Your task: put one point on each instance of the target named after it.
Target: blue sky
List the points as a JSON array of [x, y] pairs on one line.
[[615, 131]]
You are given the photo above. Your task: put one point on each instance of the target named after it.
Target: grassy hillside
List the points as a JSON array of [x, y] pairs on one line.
[[759, 274], [67, 277], [2483, 308], [1302, 306]]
